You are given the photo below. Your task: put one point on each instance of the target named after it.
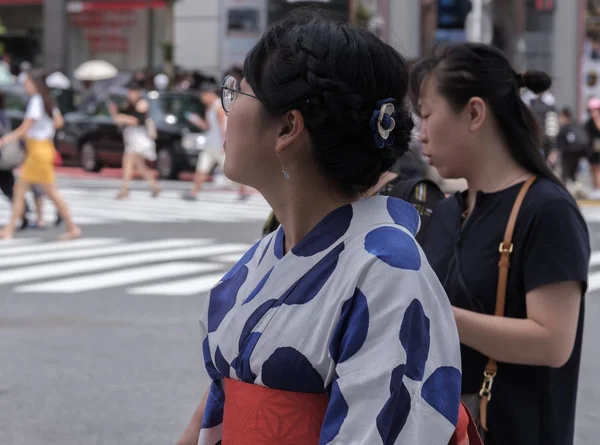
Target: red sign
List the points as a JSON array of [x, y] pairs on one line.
[[544, 5], [105, 31], [110, 5]]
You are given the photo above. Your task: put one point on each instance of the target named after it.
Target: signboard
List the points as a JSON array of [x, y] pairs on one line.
[[242, 24], [105, 31]]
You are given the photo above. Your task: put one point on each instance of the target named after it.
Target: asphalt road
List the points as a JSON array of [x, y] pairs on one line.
[[99, 340]]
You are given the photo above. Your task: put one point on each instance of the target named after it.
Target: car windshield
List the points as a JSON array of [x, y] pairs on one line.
[[174, 109]]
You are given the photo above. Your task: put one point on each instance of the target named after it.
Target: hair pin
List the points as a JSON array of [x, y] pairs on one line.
[[383, 122]]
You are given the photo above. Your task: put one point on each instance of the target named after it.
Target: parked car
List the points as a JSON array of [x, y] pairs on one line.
[[91, 138]]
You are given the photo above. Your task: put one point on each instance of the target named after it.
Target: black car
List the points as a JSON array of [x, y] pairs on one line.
[[91, 138]]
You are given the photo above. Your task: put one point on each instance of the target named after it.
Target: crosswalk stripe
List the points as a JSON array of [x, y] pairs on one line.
[[43, 256], [227, 258], [39, 272], [593, 282], [17, 242], [119, 278], [98, 206], [595, 258], [191, 286], [53, 246]]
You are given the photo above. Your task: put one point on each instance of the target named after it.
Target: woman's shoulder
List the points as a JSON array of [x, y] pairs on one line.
[[549, 205], [545, 191]]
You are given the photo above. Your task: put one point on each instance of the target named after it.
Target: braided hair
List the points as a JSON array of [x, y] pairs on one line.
[[334, 75]]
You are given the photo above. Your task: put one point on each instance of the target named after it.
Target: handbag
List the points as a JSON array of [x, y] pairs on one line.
[[11, 156], [478, 403]]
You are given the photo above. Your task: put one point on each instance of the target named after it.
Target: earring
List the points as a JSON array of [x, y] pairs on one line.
[[286, 175]]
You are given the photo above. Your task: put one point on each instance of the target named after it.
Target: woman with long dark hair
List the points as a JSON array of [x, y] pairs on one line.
[[521, 336], [38, 131], [334, 327]]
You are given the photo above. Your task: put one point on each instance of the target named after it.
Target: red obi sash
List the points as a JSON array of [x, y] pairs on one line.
[[256, 415]]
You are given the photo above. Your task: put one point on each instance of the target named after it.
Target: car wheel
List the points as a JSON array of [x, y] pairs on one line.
[[165, 164], [89, 158]]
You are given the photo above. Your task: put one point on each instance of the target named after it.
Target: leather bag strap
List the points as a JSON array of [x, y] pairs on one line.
[[506, 248]]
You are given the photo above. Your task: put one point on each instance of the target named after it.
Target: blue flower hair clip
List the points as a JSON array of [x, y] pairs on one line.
[[383, 122]]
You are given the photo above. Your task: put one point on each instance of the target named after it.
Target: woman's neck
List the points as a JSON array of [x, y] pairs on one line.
[[493, 174], [301, 209]]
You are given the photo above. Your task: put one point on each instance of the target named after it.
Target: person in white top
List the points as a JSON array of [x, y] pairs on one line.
[[38, 131], [214, 125]]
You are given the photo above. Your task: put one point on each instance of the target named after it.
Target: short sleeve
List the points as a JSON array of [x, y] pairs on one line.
[[397, 360], [35, 108], [558, 248]]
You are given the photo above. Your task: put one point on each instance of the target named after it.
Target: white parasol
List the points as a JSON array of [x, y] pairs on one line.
[[95, 70], [58, 80]]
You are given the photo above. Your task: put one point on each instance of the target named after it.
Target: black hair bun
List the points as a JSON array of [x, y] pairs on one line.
[[536, 81]]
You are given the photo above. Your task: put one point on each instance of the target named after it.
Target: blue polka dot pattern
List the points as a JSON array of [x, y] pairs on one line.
[[299, 375], [221, 363], [262, 257], [258, 287], [351, 330], [242, 262], [403, 214], [307, 287], [223, 297], [326, 233], [394, 247], [392, 418], [242, 363], [253, 320], [210, 367], [442, 391], [414, 336], [215, 403], [279, 246], [336, 413]]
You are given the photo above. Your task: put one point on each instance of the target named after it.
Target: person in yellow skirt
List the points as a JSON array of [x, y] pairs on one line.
[[37, 130]]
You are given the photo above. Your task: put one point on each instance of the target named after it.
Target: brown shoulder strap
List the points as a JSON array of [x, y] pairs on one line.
[[506, 248]]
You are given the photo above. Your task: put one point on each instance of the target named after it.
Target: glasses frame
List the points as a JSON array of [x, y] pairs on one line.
[[235, 92]]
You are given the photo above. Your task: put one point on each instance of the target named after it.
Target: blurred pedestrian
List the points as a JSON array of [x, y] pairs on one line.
[[592, 127], [573, 144], [213, 125], [514, 270], [38, 131], [139, 134]]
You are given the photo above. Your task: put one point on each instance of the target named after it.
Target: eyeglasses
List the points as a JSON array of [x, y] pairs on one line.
[[229, 93]]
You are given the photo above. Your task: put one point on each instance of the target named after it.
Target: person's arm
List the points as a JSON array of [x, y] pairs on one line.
[[192, 432], [151, 127], [202, 124], [57, 118], [555, 270], [545, 338], [120, 118], [396, 353], [18, 133]]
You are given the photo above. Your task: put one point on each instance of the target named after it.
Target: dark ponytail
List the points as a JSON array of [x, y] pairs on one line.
[[464, 71], [38, 77]]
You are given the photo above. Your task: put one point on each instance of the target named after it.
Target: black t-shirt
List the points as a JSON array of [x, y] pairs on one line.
[[594, 136], [131, 110], [530, 405]]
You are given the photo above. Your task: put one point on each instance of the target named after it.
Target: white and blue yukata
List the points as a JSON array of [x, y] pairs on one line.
[[353, 311]]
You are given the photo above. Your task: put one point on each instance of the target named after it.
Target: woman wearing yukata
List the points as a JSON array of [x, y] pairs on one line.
[[333, 329]]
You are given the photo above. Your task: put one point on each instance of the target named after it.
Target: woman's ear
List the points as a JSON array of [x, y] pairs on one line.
[[292, 128], [477, 113]]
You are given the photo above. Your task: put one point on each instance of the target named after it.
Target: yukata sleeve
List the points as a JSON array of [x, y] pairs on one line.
[[397, 358]]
